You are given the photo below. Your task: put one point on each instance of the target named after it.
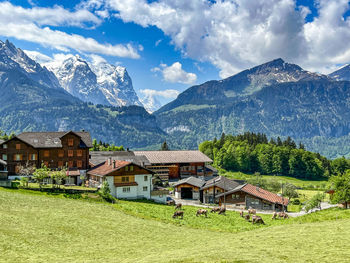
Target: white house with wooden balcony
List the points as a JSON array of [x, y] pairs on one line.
[[126, 180]]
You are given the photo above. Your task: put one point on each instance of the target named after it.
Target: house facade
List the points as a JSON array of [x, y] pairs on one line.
[[54, 149], [189, 188], [250, 196], [126, 180], [175, 165]]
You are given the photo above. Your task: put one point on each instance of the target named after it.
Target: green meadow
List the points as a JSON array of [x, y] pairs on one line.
[[38, 227]]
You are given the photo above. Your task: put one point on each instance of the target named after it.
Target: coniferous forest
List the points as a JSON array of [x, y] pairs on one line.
[[254, 152]]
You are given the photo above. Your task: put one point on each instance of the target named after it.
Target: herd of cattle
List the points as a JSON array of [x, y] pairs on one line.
[[221, 211]]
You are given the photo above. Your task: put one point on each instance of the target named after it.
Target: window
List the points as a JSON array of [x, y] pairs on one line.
[[126, 189], [32, 157], [79, 153], [61, 153], [145, 178], [70, 142], [79, 163], [70, 164], [4, 157], [145, 188], [60, 164], [126, 168], [4, 146], [17, 157], [18, 146], [131, 168], [46, 154], [125, 179], [70, 153]]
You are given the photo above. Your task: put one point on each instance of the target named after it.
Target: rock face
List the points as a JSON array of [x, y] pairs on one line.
[[341, 74], [99, 83], [276, 98], [12, 58], [31, 99]]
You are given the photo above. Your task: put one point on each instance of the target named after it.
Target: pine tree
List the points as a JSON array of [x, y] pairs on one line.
[[164, 146]]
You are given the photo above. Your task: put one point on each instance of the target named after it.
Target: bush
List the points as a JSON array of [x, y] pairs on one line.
[[72, 196], [15, 184], [296, 202], [105, 193]]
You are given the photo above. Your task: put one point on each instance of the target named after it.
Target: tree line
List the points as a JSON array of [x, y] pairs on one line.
[[253, 152]]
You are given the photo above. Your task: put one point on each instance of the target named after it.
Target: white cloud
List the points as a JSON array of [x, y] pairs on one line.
[[175, 73], [37, 56], [27, 24], [169, 93], [237, 34]]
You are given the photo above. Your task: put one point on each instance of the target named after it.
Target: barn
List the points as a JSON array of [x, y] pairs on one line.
[[189, 188]]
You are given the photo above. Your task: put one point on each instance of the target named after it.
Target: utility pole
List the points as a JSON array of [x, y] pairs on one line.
[[282, 197], [225, 194]]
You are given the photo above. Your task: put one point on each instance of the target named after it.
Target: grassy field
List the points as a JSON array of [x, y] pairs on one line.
[[285, 179], [37, 227]]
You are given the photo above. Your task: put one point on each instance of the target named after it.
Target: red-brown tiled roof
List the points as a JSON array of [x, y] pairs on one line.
[[264, 194], [106, 168]]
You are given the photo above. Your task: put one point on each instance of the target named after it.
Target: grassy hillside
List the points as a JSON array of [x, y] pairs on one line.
[[41, 228]]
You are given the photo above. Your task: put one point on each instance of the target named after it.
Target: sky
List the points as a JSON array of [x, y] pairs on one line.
[[169, 45]]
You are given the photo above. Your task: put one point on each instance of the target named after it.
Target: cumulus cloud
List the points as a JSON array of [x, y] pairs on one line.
[[234, 35], [32, 24], [175, 73], [169, 93]]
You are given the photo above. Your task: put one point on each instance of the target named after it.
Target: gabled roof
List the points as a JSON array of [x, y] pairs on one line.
[[98, 157], [166, 157], [259, 193], [191, 181], [107, 167], [52, 139], [222, 182]]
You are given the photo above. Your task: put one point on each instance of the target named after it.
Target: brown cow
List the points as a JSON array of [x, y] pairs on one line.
[[178, 213], [251, 211], [202, 212], [222, 211], [283, 215], [258, 220], [274, 215], [215, 209], [178, 206], [247, 217], [241, 213]]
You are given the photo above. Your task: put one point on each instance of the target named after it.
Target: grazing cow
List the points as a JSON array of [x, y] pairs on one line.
[[283, 215], [215, 209], [274, 216], [222, 211], [178, 206], [247, 217], [258, 220], [178, 213], [202, 212], [251, 211], [241, 213]]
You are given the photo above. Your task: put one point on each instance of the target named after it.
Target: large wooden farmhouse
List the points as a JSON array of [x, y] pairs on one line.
[[247, 195], [170, 165], [54, 149]]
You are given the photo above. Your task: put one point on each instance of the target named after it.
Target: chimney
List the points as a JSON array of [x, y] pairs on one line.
[[113, 164]]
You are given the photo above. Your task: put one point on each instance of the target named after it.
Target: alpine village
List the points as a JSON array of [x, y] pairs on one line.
[[174, 131]]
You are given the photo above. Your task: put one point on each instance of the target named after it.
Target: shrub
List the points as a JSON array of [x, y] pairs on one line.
[[105, 193], [15, 184], [296, 202]]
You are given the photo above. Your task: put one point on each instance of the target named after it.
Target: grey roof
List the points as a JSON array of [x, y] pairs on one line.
[[222, 182], [239, 187], [160, 157], [3, 162], [192, 181], [52, 139], [98, 157], [213, 169]]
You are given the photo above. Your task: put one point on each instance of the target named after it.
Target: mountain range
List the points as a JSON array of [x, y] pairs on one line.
[[276, 98]]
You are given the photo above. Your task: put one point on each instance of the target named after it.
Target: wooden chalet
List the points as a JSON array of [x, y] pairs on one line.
[[250, 196], [175, 165], [126, 180], [54, 149], [189, 188]]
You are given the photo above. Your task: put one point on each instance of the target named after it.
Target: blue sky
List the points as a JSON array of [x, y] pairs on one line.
[[171, 45]]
